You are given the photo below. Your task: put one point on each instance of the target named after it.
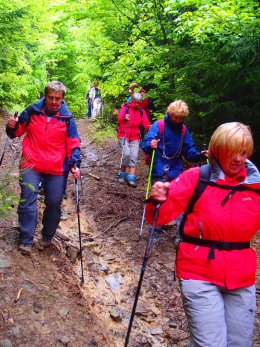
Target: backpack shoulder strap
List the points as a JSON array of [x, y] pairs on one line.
[[183, 130], [161, 126], [205, 171], [30, 111], [204, 177]]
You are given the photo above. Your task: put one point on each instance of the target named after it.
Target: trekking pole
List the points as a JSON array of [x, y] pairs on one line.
[[81, 187], [6, 143], [146, 255], [204, 148], [78, 213], [147, 192], [123, 147]]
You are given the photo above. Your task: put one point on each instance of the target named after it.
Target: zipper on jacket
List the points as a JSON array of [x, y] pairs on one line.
[[200, 228], [48, 121]]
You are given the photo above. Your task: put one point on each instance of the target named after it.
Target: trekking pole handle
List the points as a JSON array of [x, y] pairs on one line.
[[204, 149], [164, 180], [75, 172], [12, 122]]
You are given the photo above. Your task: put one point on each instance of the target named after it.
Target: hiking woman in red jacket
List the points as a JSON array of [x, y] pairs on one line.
[[131, 117], [215, 265]]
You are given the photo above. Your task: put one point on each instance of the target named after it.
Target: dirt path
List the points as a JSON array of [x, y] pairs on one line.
[[42, 303]]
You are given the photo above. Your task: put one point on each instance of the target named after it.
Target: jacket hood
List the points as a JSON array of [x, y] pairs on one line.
[[130, 105], [38, 106]]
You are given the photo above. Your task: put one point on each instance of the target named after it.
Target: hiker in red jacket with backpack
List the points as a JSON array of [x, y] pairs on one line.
[[131, 118], [215, 264]]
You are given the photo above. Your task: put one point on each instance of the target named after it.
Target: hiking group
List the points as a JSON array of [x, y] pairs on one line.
[[219, 203]]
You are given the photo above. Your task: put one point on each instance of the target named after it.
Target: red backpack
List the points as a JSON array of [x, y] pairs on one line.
[[160, 123]]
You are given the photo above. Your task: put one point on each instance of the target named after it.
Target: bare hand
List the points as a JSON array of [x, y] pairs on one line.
[[205, 153], [154, 143], [75, 172], [159, 191], [12, 122], [127, 116]]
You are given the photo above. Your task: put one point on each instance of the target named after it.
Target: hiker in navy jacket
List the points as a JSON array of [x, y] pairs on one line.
[[171, 140], [50, 147]]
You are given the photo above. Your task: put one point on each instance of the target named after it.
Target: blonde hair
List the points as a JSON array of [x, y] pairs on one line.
[[178, 108], [132, 86], [95, 84], [230, 138]]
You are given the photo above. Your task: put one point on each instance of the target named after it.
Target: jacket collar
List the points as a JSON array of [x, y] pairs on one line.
[[172, 124], [38, 106], [249, 175]]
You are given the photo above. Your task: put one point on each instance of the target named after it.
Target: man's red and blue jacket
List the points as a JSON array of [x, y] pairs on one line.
[[51, 144]]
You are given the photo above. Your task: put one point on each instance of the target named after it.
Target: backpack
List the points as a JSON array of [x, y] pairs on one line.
[[140, 109], [160, 123]]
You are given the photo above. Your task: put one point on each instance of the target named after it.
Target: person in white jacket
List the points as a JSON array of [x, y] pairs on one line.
[[95, 100]]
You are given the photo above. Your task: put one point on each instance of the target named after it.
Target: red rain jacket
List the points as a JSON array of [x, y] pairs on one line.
[[238, 220], [131, 129], [51, 143]]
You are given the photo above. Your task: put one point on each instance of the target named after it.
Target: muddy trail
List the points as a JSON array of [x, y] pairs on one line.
[[42, 300]]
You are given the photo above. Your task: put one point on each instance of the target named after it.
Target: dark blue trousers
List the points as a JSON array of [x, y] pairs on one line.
[[27, 209], [89, 109]]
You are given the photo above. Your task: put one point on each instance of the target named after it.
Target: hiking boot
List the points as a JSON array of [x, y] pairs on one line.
[[122, 177], [132, 184], [131, 180], [121, 180], [25, 249], [45, 243]]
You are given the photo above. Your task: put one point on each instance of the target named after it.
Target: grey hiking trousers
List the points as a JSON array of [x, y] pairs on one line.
[[130, 150], [218, 317]]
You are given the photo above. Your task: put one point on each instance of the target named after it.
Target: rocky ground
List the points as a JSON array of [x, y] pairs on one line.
[[43, 301]]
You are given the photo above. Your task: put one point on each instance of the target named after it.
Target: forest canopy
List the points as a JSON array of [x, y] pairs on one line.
[[203, 51]]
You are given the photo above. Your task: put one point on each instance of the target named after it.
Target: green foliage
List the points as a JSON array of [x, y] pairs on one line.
[[203, 51], [7, 197]]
